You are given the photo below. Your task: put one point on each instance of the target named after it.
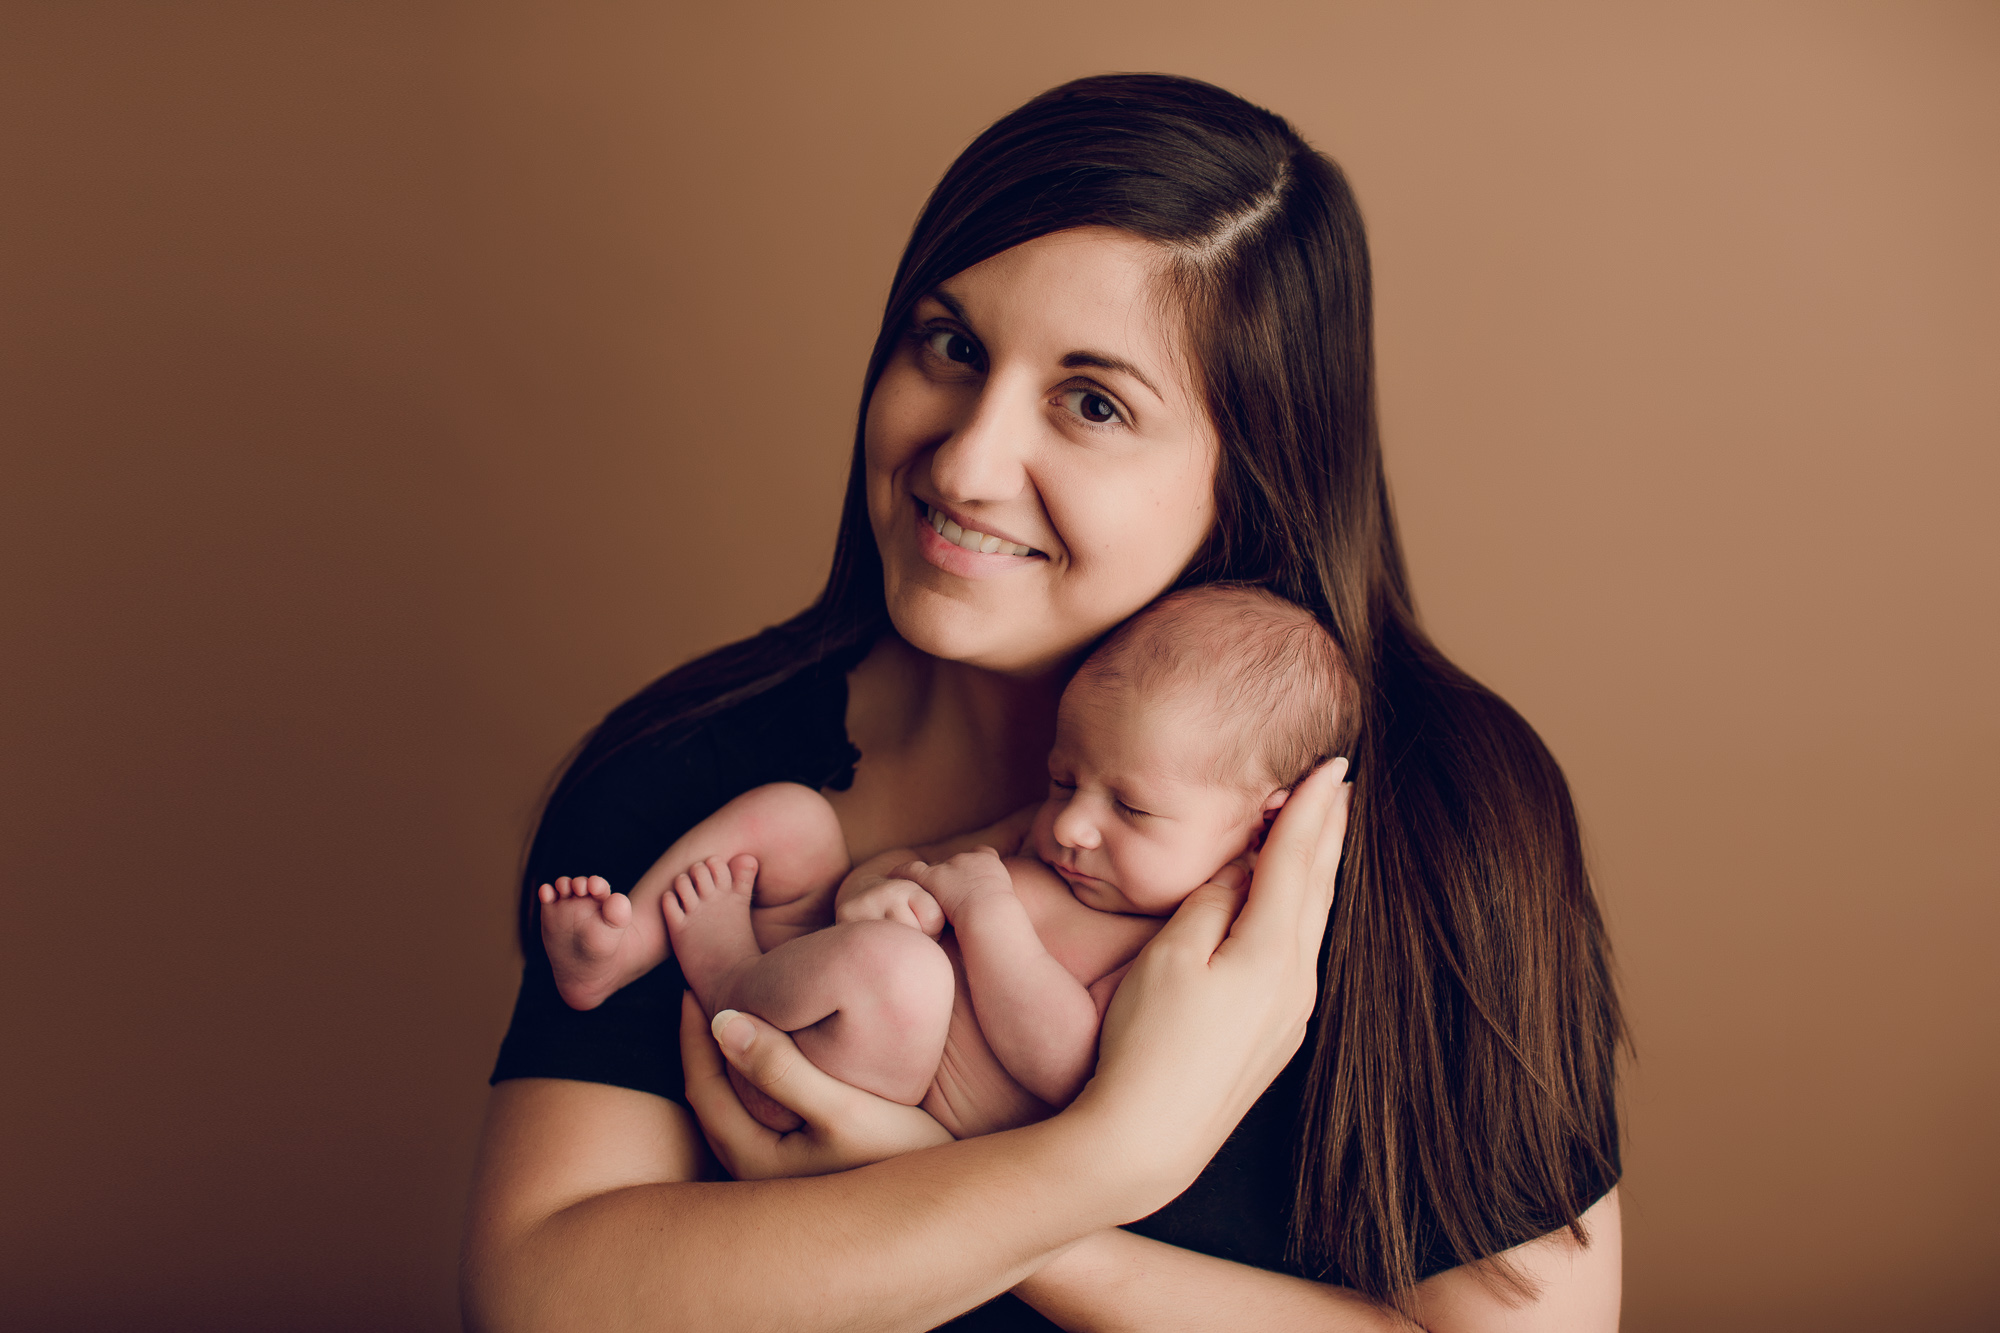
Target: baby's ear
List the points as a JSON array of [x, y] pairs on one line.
[[1272, 804]]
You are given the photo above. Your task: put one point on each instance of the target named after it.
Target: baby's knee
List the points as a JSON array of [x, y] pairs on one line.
[[786, 805], [909, 975], [795, 825]]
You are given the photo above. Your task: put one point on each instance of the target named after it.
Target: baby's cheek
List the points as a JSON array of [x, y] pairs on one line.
[[1155, 878], [1042, 833]]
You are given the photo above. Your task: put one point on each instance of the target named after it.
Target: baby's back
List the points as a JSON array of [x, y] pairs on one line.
[[973, 1093]]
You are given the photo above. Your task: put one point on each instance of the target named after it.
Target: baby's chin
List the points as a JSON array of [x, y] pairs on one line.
[[1107, 896]]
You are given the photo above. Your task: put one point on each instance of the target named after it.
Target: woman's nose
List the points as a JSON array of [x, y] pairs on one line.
[[982, 461], [1075, 828]]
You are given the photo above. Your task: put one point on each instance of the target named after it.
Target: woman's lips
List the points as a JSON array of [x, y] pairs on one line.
[[952, 556], [947, 526]]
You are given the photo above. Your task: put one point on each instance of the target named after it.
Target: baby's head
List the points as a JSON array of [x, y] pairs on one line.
[[1180, 738]]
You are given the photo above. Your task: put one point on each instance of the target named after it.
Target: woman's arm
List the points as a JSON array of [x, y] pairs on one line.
[[589, 1212], [1115, 1280], [587, 1209]]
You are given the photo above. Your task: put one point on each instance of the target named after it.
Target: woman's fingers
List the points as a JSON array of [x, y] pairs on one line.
[[1201, 923], [844, 1126], [1221, 997], [1294, 881], [732, 1132], [770, 1060]]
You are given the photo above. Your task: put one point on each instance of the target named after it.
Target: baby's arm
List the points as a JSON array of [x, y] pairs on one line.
[[1039, 1019], [875, 893], [599, 941], [877, 889]]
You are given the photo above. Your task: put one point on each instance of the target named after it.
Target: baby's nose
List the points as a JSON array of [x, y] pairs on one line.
[[1074, 830]]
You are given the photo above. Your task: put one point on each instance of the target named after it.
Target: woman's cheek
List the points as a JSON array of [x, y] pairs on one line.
[[1138, 536]]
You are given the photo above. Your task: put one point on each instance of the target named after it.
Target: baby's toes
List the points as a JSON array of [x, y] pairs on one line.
[[743, 872], [597, 887]]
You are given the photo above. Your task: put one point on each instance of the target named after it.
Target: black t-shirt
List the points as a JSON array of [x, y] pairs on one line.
[[623, 815]]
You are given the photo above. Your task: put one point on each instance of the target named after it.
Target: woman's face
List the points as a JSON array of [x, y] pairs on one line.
[[1040, 463]]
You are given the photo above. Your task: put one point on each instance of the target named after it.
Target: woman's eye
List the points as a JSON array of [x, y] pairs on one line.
[[1092, 406], [950, 345]]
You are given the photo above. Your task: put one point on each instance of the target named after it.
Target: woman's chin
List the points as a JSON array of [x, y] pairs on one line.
[[952, 630]]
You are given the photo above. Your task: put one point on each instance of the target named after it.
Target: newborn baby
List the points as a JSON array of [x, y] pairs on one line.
[[978, 992]]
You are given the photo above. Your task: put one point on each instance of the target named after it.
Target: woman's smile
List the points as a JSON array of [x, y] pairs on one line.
[[966, 551]]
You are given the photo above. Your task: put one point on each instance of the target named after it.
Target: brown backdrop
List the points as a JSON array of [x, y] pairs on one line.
[[390, 389]]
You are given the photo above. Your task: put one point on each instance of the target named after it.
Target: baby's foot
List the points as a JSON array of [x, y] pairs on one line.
[[708, 919], [583, 924]]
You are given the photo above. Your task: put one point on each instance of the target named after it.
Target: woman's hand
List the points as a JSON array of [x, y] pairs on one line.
[[1217, 1003], [844, 1126]]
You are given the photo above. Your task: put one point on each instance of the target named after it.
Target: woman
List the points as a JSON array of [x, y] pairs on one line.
[[1131, 334]]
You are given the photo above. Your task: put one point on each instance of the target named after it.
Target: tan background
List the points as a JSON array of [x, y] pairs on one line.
[[388, 390]]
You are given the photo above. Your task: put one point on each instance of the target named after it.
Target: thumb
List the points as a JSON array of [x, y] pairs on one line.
[[770, 1060]]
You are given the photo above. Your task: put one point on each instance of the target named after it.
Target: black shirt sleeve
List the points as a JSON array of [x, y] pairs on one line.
[[616, 822]]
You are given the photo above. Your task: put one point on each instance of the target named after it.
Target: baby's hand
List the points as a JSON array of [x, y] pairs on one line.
[[893, 899], [967, 876]]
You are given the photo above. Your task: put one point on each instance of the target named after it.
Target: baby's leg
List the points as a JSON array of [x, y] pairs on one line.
[[867, 1001], [801, 857], [598, 940]]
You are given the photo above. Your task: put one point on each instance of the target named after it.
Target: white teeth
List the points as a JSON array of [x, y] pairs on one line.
[[983, 542]]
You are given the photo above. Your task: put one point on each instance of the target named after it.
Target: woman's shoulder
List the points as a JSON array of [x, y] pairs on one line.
[[632, 803]]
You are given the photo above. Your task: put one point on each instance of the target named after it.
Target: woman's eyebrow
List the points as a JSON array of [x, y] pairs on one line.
[[1105, 361], [949, 302], [1074, 361]]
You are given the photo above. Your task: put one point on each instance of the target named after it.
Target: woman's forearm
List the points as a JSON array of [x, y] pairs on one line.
[[587, 1209], [1114, 1280], [585, 1215]]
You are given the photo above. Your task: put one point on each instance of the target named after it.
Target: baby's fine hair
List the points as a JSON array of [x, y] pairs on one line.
[[1264, 668]]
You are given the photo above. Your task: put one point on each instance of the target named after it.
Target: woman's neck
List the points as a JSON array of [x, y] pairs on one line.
[[945, 747]]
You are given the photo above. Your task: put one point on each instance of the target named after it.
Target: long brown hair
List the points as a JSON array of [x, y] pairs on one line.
[[1461, 1089]]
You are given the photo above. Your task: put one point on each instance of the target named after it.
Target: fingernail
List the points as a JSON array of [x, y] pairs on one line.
[[1340, 767], [738, 1039]]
